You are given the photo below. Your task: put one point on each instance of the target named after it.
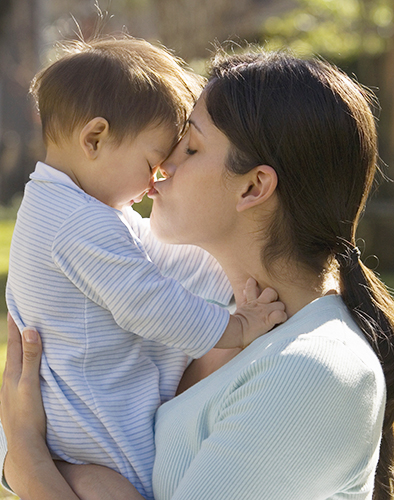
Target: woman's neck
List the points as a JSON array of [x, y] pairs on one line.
[[295, 288]]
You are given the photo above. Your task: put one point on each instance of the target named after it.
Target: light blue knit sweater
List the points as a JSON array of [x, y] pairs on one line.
[[296, 416]]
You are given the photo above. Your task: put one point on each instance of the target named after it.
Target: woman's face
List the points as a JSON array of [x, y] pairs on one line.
[[196, 203]]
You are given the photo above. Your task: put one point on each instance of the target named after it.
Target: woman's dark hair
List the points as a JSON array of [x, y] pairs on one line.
[[314, 126]]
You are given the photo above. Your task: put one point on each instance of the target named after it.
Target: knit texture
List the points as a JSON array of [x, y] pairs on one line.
[[297, 415]]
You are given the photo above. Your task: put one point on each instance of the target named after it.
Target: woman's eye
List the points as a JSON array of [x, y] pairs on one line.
[[190, 152]]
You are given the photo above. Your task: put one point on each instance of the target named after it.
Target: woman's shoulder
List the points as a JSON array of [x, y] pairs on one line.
[[322, 338], [326, 377], [319, 358], [301, 398]]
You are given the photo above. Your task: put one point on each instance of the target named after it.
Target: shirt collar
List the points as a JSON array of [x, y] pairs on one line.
[[46, 173]]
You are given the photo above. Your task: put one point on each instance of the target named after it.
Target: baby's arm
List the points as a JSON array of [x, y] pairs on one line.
[[107, 266], [257, 315], [197, 270], [97, 253], [194, 266]]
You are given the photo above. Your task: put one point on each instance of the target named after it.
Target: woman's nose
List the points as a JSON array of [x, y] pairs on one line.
[[167, 168], [170, 164], [153, 176]]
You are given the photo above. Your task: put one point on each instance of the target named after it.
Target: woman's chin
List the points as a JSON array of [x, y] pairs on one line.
[[160, 228], [155, 225]]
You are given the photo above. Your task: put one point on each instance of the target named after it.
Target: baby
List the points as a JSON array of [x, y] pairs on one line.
[[117, 330]]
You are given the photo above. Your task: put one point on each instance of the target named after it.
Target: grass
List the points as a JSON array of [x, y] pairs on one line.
[[6, 228], [6, 495]]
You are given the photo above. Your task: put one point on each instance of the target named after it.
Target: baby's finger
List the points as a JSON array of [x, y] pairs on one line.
[[277, 316], [268, 295], [251, 291]]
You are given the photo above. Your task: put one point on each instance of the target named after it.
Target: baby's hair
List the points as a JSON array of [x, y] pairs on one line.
[[128, 81]]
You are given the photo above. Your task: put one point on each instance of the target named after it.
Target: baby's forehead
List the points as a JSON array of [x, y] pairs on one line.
[[167, 135], [158, 138]]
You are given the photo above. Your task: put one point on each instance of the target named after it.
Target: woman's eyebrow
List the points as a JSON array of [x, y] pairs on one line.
[[196, 126]]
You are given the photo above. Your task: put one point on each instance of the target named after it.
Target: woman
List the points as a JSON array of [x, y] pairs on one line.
[[271, 178]]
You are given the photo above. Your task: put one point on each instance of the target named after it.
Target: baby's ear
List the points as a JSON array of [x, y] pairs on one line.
[[93, 135], [260, 183]]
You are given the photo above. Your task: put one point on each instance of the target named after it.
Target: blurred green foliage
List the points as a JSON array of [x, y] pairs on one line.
[[6, 229], [336, 29]]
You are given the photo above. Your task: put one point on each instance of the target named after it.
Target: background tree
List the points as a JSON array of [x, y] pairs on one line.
[[19, 55], [358, 35], [4, 7]]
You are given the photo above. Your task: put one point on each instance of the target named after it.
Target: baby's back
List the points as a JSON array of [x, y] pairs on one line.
[[100, 384]]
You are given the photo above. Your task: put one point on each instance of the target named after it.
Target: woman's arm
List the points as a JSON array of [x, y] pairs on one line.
[[95, 482], [29, 468]]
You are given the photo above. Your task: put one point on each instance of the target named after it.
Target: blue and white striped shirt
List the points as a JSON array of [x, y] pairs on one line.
[[116, 332]]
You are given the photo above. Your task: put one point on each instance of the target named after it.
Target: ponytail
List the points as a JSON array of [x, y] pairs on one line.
[[373, 310]]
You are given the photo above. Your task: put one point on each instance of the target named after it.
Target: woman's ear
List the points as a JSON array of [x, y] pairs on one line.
[[260, 184], [93, 136]]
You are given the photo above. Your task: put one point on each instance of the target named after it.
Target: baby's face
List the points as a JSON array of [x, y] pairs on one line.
[[132, 166]]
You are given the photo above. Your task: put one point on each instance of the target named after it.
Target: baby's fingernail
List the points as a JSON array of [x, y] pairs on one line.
[[30, 335]]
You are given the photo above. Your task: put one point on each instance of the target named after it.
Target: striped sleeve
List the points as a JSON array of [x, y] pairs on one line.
[[197, 270], [97, 253]]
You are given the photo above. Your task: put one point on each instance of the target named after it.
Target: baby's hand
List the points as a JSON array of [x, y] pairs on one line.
[[259, 313]]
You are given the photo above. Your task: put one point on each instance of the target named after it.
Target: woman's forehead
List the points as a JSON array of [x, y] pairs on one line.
[[195, 125], [200, 119]]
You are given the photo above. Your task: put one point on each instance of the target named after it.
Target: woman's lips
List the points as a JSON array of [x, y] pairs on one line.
[[156, 188], [151, 193]]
